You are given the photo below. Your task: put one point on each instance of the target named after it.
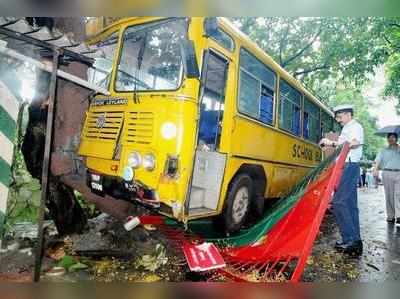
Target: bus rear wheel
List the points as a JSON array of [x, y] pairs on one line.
[[238, 202]]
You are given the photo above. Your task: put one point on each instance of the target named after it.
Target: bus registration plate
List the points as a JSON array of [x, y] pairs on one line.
[[96, 183]]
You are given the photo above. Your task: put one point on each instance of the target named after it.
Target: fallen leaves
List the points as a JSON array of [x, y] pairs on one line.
[[333, 266], [155, 260], [149, 278], [310, 261]]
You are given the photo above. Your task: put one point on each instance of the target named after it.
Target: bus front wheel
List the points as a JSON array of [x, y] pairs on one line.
[[238, 202]]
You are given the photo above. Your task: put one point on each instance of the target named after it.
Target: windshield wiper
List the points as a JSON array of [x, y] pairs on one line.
[[143, 39], [136, 80], [141, 51]]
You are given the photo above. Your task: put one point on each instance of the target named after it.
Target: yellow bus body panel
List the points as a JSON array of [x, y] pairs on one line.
[[284, 157]]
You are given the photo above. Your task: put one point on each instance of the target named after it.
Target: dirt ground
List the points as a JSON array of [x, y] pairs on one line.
[[106, 252]]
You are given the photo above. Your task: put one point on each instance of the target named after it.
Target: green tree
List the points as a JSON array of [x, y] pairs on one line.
[[315, 49], [320, 49], [392, 37]]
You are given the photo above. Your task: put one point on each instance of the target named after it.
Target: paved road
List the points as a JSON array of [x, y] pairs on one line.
[[381, 258]]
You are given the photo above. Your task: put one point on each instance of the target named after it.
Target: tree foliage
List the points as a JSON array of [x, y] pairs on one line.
[[392, 37], [319, 48]]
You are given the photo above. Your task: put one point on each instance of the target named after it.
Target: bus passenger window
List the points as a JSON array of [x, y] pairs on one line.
[[326, 123], [224, 39], [256, 88], [290, 108], [311, 123], [249, 96], [296, 121], [267, 105], [306, 126]]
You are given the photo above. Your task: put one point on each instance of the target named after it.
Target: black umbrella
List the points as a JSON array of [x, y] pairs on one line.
[[388, 129]]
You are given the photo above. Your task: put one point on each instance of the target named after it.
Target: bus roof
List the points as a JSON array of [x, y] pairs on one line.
[[230, 28], [116, 25]]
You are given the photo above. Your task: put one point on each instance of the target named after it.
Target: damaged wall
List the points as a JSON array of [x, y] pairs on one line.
[[67, 171], [71, 109]]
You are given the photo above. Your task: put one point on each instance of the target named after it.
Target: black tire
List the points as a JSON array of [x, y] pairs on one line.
[[233, 219], [257, 206]]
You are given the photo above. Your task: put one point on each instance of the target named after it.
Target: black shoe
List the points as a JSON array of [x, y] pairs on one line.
[[398, 221], [339, 244], [352, 248], [390, 220]]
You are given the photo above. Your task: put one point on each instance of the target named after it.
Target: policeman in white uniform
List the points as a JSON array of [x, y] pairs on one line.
[[344, 203]]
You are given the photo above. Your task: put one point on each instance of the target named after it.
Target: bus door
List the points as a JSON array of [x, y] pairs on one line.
[[209, 163]]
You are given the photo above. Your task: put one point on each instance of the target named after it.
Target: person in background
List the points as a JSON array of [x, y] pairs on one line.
[[388, 160], [370, 179], [344, 203], [363, 177]]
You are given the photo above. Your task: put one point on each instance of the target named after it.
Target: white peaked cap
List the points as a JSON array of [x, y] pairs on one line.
[[344, 107]]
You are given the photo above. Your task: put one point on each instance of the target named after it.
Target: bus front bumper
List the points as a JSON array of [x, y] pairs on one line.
[[118, 188]]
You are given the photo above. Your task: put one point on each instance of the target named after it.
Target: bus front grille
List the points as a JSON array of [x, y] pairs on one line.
[[139, 127], [103, 125]]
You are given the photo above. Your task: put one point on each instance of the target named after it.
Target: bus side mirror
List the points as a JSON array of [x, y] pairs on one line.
[[190, 65], [211, 26]]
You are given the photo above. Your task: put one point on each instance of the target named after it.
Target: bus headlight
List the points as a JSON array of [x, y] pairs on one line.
[[149, 162], [168, 130], [134, 160]]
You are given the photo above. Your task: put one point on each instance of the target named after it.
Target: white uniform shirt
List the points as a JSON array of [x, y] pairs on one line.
[[352, 130]]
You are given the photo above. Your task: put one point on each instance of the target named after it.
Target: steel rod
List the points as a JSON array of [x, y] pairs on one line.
[[48, 68], [46, 45], [46, 165]]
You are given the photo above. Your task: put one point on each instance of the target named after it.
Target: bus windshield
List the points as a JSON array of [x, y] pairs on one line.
[[100, 73], [151, 57]]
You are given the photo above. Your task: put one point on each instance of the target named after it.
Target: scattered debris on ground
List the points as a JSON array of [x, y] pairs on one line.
[[107, 252]]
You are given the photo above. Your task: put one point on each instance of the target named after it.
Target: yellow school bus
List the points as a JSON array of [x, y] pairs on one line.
[[200, 122]]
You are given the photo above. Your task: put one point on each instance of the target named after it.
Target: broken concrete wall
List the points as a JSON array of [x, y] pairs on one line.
[[67, 169], [71, 106]]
